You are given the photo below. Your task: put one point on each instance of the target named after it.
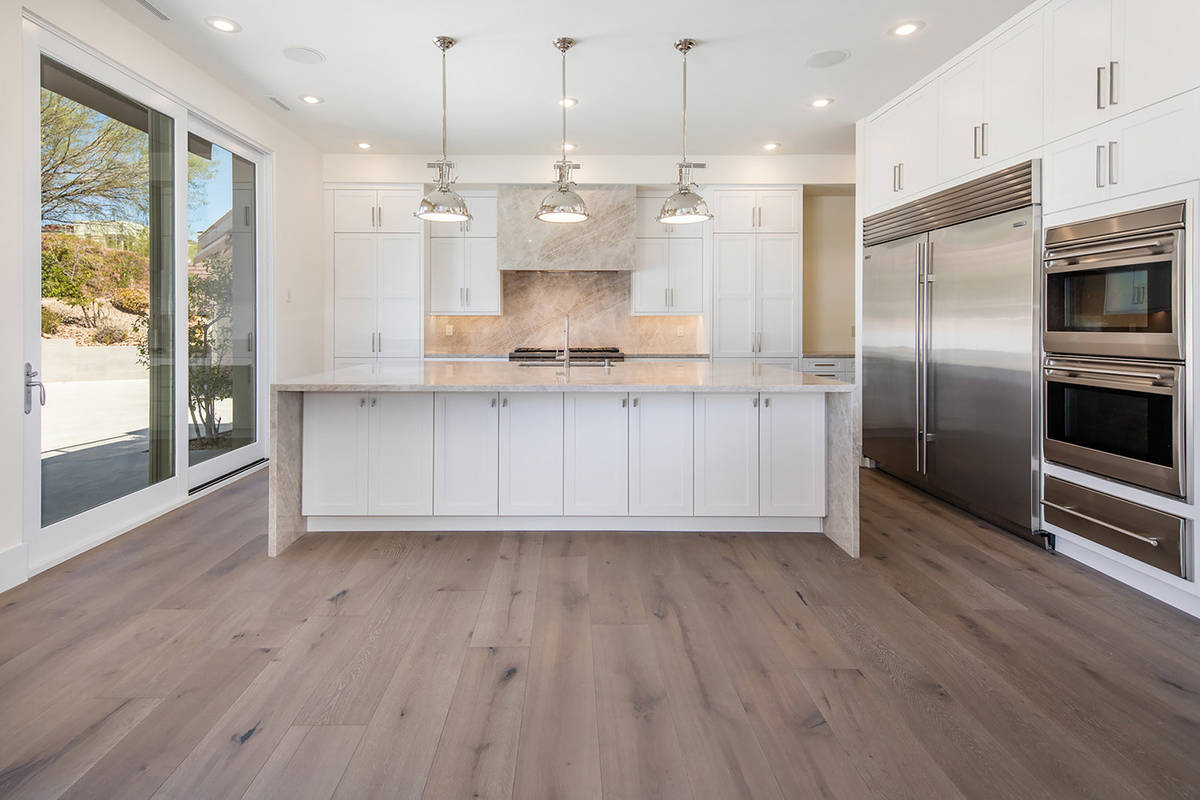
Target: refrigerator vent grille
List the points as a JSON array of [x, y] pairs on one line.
[[1006, 190]]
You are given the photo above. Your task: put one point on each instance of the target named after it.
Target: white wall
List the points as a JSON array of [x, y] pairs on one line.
[[296, 238], [782, 169]]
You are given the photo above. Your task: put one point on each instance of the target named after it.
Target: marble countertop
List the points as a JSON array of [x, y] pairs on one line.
[[504, 356], [492, 376], [828, 355]]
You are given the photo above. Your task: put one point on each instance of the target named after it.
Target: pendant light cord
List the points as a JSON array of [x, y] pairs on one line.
[[563, 103], [443, 105], [685, 106]]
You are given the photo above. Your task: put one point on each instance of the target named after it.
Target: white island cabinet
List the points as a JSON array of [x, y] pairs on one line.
[[682, 446]]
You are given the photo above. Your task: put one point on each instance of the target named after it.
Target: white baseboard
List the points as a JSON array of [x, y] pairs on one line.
[[14, 566], [667, 524], [1130, 572]]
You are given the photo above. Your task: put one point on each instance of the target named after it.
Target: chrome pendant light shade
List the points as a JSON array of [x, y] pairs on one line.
[[563, 204], [686, 205], [442, 203]]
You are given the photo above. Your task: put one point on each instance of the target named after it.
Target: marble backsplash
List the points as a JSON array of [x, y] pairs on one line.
[[604, 241], [534, 304]]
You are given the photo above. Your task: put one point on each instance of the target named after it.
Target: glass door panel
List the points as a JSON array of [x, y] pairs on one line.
[[107, 294], [222, 302]]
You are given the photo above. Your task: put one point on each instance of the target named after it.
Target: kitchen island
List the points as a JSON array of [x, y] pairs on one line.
[[727, 445]]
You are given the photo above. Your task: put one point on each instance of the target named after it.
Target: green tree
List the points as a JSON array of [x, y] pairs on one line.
[[81, 273]]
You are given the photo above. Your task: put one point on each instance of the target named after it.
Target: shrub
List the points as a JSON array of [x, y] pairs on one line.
[[108, 333], [50, 321], [131, 301]]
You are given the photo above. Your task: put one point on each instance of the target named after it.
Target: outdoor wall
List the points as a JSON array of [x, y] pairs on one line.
[[298, 336], [828, 269]]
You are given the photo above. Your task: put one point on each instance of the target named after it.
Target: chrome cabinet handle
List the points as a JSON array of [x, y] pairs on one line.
[[381, 216], [983, 139], [468, 296], [362, 402], [493, 402], [1153, 376], [895, 180], [1112, 162], [1100, 88], [672, 290], [635, 402], [975, 141], [624, 402], [1099, 166], [31, 381], [374, 402], [462, 298], [754, 402], [900, 174], [1150, 540], [1112, 84], [504, 403], [666, 297], [767, 402], [373, 225]]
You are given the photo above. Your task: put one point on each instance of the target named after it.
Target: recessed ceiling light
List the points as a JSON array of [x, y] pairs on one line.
[[821, 102], [769, 146], [311, 99], [223, 24], [568, 147], [907, 28], [364, 145], [304, 55], [827, 58], [569, 102]]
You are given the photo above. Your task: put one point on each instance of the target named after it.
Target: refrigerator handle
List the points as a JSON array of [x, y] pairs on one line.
[[918, 353], [926, 435]]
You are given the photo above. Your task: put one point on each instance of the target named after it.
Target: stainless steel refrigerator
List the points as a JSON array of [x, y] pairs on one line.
[[950, 345]]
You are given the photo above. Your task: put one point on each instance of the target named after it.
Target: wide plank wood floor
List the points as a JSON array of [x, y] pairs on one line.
[[951, 661]]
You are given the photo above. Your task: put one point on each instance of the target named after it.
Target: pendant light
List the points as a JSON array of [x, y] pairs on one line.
[[563, 204], [685, 205], [442, 203]]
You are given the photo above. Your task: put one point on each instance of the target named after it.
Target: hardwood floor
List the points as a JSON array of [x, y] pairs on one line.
[[951, 661]]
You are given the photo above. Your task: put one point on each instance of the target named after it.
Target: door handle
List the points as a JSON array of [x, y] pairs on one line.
[[667, 297], [624, 402], [373, 225], [1100, 166], [1150, 540], [493, 402], [504, 403], [1100, 88], [381, 216], [362, 402], [1112, 162], [755, 402], [635, 402], [975, 141], [374, 402], [1112, 83], [462, 296], [983, 139], [767, 402], [900, 174], [895, 180], [31, 381]]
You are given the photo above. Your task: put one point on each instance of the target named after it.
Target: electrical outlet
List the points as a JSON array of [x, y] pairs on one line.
[[679, 331], [449, 329]]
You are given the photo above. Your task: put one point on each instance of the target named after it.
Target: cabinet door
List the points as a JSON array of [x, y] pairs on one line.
[[531, 453], [447, 278], [483, 215], [778, 258], [1078, 44], [660, 455], [792, 455], [733, 211], [881, 161], [1155, 146], [355, 267], [596, 454], [725, 427], [733, 294], [646, 224], [686, 258], [917, 142], [401, 453], [483, 277], [466, 453], [396, 208], [447, 230], [354, 210], [779, 211], [1015, 75], [1075, 172], [334, 454], [1154, 43], [399, 294], [651, 275], [961, 113]]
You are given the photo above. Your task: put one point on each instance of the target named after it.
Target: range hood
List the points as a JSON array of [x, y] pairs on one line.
[[605, 242]]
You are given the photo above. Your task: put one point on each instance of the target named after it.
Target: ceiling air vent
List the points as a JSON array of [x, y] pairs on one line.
[[153, 9], [279, 103]]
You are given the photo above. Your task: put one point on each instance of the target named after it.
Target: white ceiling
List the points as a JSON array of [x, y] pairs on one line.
[[748, 82]]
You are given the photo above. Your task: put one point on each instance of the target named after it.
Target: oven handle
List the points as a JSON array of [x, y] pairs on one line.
[[1150, 540], [1062, 253], [1116, 372]]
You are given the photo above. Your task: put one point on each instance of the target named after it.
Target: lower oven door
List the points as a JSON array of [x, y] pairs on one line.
[[1123, 419]]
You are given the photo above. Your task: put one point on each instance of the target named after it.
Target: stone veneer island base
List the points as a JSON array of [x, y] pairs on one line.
[[452, 446]]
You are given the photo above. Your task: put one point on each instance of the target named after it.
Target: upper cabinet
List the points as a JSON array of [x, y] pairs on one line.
[[902, 155], [668, 273], [1106, 58], [376, 211], [756, 211], [464, 275], [482, 224]]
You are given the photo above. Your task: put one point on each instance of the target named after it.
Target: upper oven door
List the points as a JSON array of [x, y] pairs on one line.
[[1123, 419], [1121, 296]]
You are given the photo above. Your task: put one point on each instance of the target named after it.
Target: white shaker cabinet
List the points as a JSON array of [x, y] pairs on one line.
[[376, 211], [398, 306], [465, 453], [792, 455], [660, 454], [400, 453], [334, 458], [668, 275], [596, 454], [482, 205], [531, 453], [1079, 47], [377, 291], [726, 454], [1155, 49], [756, 211], [756, 295], [463, 276], [902, 150]]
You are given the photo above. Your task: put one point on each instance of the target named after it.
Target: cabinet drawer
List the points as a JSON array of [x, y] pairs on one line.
[[827, 365], [1152, 537]]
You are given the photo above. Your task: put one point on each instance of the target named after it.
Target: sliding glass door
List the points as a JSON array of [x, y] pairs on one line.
[[143, 302]]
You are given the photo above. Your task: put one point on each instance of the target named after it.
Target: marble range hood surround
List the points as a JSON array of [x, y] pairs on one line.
[[605, 241]]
